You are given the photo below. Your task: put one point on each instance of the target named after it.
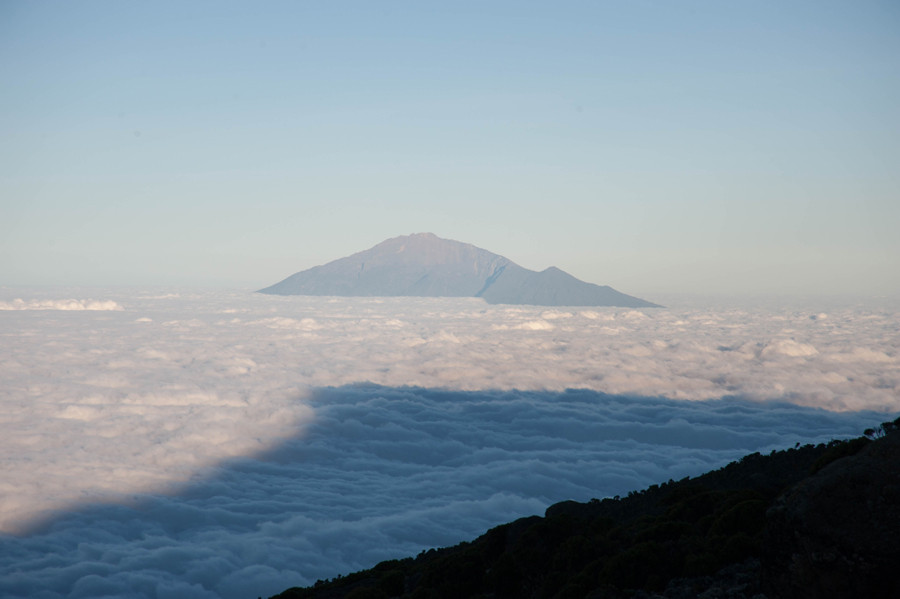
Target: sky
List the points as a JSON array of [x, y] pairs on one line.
[[657, 147], [225, 444]]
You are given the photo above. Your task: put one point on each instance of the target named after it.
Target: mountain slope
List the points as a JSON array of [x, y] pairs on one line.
[[813, 522], [424, 265]]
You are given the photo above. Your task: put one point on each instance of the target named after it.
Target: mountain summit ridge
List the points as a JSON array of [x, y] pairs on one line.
[[425, 265]]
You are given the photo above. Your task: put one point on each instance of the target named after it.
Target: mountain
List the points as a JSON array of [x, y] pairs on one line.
[[424, 265], [812, 522]]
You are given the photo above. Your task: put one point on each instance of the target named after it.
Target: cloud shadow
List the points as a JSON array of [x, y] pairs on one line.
[[383, 472]]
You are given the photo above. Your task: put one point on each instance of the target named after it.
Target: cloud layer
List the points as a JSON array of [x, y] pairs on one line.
[[221, 444], [63, 304], [385, 472]]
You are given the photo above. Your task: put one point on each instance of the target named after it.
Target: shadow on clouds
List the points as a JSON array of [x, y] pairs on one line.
[[383, 472]]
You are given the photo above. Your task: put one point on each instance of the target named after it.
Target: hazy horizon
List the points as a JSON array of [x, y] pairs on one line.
[[653, 147]]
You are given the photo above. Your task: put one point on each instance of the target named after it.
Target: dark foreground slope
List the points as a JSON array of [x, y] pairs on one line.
[[424, 265], [810, 522]]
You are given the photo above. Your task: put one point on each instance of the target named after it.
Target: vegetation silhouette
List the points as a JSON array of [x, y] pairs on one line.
[[745, 530]]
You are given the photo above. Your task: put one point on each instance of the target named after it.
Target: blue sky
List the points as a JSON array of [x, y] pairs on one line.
[[658, 147]]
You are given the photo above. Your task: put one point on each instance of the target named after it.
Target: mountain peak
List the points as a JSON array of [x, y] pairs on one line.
[[425, 265]]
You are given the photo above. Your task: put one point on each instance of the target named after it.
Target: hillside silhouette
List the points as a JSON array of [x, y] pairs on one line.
[[807, 522]]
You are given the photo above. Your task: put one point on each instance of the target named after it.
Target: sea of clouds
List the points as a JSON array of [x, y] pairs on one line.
[[230, 444]]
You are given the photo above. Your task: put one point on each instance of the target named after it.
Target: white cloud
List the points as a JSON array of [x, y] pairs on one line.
[[384, 472], [62, 304], [788, 347], [190, 454]]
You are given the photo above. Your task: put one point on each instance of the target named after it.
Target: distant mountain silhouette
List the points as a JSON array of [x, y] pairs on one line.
[[424, 265]]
